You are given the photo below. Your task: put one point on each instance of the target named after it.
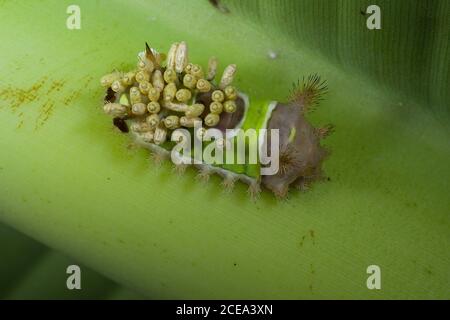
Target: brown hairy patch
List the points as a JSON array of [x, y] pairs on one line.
[[301, 155], [309, 92]]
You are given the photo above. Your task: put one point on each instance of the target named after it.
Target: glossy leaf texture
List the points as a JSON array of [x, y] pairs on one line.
[[410, 54]]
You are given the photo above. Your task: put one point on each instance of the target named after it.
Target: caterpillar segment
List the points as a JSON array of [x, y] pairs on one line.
[[158, 99]]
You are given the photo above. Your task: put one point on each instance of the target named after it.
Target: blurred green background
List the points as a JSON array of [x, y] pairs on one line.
[[30, 270]]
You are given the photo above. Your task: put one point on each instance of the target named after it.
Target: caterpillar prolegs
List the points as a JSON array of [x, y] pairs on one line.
[[186, 114]]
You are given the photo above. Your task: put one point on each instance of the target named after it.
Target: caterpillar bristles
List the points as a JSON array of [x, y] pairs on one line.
[[254, 190], [179, 169], [309, 92], [303, 184], [325, 131], [203, 175], [228, 183], [282, 193], [132, 147], [158, 158], [289, 159]]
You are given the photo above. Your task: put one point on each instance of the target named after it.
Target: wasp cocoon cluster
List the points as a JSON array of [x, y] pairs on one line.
[[197, 71], [203, 85], [170, 76], [153, 120], [218, 96], [117, 86], [155, 100], [172, 122], [169, 92], [176, 107], [128, 78], [212, 119], [229, 106], [228, 76], [195, 110], [135, 95], [200, 133], [189, 122], [212, 68], [183, 95], [153, 94], [153, 107], [230, 93], [145, 65], [171, 56], [216, 107], [158, 80], [140, 126], [142, 75], [107, 80], [189, 81], [181, 57], [160, 135], [148, 136], [139, 109], [144, 87], [115, 109]]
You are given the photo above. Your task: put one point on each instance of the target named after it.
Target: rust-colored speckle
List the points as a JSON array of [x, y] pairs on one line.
[[20, 124], [69, 99], [311, 236], [312, 277], [56, 86], [18, 96], [44, 114], [311, 233], [42, 97], [88, 80]]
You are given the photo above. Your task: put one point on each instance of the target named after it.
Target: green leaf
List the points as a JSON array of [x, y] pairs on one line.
[[31, 271], [409, 55], [69, 180]]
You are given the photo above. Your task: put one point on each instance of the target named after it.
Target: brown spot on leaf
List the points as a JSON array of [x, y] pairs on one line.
[[302, 241]]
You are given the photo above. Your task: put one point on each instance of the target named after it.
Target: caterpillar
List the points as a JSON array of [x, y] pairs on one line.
[[166, 100]]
